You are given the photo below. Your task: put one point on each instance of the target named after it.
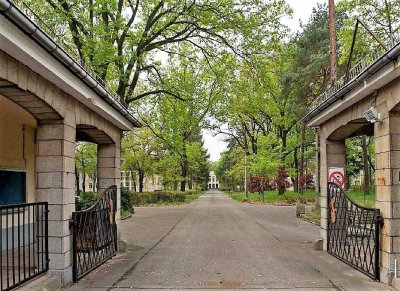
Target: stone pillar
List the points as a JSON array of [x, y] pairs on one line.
[[109, 172], [387, 181], [55, 174], [317, 170], [332, 154]]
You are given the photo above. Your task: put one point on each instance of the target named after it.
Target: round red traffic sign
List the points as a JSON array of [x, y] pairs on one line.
[[337, 177]]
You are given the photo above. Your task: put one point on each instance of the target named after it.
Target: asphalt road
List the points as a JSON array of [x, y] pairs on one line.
[[216, 242]]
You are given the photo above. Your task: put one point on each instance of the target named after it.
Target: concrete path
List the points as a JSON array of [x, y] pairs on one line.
[[216, 242]]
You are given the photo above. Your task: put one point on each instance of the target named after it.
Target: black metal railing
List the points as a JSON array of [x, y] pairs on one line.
[[23, 243], [372, 56], [94, 234], [353, 232]]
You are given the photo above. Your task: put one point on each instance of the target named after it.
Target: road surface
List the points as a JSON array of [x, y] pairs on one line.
[[216, 242]]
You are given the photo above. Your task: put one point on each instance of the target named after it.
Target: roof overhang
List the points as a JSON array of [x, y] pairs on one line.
[[15, 41], [362, 90], [380, 73]]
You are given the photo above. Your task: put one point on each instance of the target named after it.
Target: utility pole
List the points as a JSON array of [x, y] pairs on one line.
[[332, 41]]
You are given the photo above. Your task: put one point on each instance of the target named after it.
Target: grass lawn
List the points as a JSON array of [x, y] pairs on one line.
[[292, 197], [288, 197], [358, 196], [125, 214]]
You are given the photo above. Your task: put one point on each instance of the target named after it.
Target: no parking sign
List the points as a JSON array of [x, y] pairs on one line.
[[336, 175]]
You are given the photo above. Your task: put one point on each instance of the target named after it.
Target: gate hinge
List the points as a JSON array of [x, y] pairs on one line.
[[72, 223], [380, 219]]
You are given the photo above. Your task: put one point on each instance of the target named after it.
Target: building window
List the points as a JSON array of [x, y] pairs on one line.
[[12, 187], [90, 185]]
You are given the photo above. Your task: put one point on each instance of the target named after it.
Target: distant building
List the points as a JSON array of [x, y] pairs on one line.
[[150, 184], [90, 185], [213, 182]]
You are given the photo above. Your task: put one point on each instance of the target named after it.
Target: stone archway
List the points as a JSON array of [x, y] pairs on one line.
[[61, 120]]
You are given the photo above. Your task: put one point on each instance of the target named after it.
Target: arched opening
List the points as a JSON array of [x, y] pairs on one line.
[[355, 153], [95, 164]]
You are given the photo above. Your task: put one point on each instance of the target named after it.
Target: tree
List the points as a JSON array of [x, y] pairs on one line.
[[260, 184], [121, 39], [199, 166], [85, 163], [378, 21], [264, 104], [177, 124], [140, 151]]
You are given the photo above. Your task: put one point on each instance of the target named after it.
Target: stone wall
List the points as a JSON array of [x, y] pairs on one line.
[[332, 136]]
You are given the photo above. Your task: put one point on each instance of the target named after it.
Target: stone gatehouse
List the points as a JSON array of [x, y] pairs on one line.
[[48, 102]]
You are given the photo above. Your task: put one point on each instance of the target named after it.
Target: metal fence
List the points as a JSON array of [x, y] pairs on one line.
[[95, 234], [357, 69], [353, 232], [23, 243]]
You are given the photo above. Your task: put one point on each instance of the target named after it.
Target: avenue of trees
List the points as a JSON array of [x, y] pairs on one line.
[[232, 67], [261, 118]]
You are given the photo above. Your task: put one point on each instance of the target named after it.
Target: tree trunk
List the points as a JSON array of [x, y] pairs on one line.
[[95, 182], [84, 182], [77, 180], [184, 172], [366, 164], [133, 181], [190, 182], [141, 179], [296, 166], [262, 196]]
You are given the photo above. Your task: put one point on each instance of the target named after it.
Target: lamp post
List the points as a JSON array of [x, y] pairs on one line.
[[245, 172]]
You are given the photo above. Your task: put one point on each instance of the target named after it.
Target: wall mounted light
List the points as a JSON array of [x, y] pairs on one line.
[[373, 116]]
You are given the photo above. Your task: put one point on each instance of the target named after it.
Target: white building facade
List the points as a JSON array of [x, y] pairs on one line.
[[212, 181]]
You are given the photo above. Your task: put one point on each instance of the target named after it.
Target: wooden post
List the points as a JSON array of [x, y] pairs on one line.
[[332, 41]]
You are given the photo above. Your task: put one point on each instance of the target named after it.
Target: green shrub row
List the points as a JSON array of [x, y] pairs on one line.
[[157, 197], [84, 200]]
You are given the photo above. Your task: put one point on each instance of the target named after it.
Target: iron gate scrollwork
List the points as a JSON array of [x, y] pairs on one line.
[[353, 232], [94, 234]]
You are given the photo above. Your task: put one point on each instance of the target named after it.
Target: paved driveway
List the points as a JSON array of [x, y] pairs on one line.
[[216, 242]]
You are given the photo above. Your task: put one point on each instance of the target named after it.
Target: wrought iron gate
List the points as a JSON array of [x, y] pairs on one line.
[[94, 234], [353, 232]]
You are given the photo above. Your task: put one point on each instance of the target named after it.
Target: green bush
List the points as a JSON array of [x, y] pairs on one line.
[[84, 200], [126, 200], [157, 197]]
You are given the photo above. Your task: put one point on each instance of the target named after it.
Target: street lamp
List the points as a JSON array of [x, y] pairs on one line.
[[246, 151]]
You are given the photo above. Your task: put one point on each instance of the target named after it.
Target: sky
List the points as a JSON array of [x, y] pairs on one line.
[[302, 10]]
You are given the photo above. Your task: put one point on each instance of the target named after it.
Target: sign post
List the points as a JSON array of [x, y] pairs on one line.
[[336, 175]]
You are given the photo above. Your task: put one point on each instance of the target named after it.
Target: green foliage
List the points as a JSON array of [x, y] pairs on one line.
[[158, 197], [86, 158], [354, 157], [380, 17], [127, 200], [85, 200], [120, 39]]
